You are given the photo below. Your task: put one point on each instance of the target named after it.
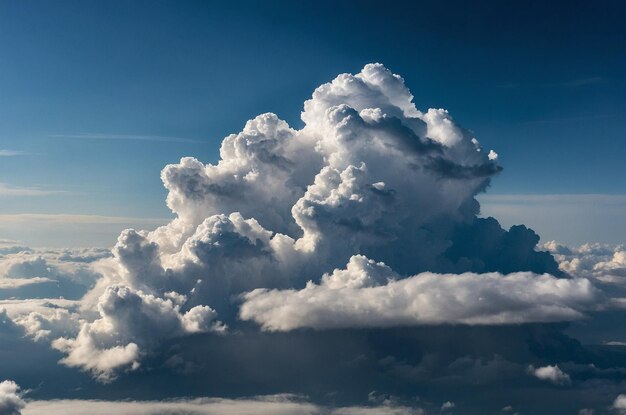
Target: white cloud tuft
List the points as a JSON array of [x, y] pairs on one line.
[[11, 402], [552, 374], [620, 403]]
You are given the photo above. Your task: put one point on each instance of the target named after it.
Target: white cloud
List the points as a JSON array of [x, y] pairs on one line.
[[368, 174], [125, 137], [262, 405], [620, 403], [130, 320], [11, 401], [46, 273], [603, 262], [7, 190], [552, 374], [76, 219], [10, 153], [369, 294]]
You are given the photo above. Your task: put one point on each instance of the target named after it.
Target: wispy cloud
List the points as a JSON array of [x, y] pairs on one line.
[[7, 190], [10, 153], [128, 137], [576, 199], [78, 219]]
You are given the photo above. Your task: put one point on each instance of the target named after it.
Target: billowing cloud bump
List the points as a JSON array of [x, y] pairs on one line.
[[129, 320]]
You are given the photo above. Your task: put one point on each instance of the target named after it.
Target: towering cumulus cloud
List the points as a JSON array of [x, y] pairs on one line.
[[365, 217]]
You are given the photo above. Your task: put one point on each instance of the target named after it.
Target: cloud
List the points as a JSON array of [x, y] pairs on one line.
[[369, 294], [551, 374], [14, 191], [61, 231], [126, 137], [77, 219], [28, 273], [130, 320], [8, 283], [10, 153], [603, 262], [369, 176], [273, 404], [11, 401], [620, 403]]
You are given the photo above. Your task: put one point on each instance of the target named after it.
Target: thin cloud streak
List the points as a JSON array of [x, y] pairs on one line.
[[77, 219], [11, 153], [553, 198], [7, 190], [127, 137]]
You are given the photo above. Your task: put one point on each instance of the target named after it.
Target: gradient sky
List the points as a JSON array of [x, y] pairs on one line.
[[96, 98]]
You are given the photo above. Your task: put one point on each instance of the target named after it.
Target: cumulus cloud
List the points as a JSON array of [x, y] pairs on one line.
[[128, 321], [369, 176], [603, 262], [11, 402], [620, 403], [552, 374], [28, 273]]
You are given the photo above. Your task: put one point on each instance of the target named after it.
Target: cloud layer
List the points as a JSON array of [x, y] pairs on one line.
[[369, 294]]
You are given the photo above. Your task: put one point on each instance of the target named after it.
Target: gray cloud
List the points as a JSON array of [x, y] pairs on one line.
[[11, 401]]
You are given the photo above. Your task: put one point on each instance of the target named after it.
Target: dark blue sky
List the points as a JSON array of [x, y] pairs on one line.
[[542, 83]]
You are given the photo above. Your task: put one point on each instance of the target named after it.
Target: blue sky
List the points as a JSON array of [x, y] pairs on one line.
[[97, 98]]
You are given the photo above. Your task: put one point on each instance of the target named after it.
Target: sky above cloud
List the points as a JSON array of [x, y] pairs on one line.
[[352, 248], [179, 78]]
